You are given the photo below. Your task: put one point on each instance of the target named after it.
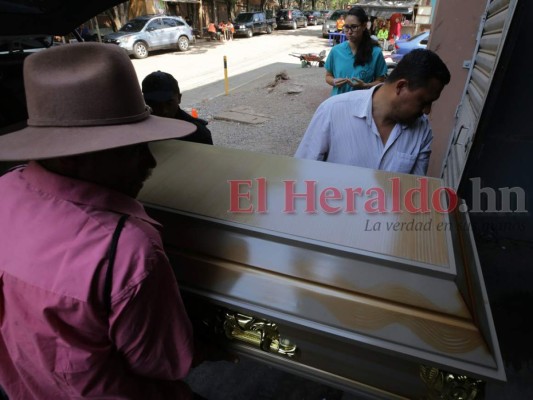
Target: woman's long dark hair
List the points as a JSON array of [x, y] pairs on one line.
[[364, 50]]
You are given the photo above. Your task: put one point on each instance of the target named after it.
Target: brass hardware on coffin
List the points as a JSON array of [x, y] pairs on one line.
[[257, 332], [445, 385]]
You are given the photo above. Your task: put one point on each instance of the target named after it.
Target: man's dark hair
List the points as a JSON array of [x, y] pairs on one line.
[[364, 50], [159, 87], [418, 67]]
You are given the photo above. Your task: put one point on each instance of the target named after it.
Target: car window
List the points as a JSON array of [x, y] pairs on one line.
[[244, 18], [135, 25], [154, 24], [180, 23], [169, 22], [335, 16]]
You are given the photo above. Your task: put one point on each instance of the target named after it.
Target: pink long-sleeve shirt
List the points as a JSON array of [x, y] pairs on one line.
[[56, 339]]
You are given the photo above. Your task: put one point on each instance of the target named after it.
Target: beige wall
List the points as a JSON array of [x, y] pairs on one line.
[[453, 38]]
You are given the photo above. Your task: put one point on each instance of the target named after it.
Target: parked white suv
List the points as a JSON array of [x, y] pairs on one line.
[[152, 32]]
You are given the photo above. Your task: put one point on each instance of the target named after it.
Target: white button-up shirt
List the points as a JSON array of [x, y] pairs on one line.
[[343, 131]]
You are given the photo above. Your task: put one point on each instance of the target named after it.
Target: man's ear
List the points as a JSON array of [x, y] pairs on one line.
[[401, 84]]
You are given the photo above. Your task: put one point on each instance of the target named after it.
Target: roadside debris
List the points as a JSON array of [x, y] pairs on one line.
[[243, 114], [282, 76]]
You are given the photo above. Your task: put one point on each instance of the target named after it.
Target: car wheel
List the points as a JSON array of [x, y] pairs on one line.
[[269, 29], [140, 50], [305, 24], [294, 25], [183, 43], [249, 33]]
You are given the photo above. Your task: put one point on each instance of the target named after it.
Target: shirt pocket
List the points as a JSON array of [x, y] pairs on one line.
[[366, 74], [404, 162]]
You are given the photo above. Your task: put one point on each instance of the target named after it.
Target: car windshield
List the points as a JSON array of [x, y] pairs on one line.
[[335, 16], [416, 36], [26, 42], [244, 18], [135, 25]]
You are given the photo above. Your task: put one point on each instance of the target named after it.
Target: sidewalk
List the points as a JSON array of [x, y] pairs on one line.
[[263, 117]]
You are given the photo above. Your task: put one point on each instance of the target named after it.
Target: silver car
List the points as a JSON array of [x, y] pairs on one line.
[[146, 33], [330, 22]]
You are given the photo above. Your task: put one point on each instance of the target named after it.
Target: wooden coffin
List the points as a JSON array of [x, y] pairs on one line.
[[338, 273]]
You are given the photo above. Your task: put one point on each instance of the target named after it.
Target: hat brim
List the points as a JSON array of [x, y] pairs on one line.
[[38, 143]]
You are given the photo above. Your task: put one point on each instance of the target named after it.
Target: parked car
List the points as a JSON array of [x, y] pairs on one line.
[[143, 34], [404, 46], [248, 23], [326, 13], [314, 17], [330, 24], [293, 19]]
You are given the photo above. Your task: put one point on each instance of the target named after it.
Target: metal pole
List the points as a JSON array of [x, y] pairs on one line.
[[226, 85], [201, 19], [97, 29]]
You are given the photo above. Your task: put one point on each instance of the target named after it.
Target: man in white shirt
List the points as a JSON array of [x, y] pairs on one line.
[[384, 127]]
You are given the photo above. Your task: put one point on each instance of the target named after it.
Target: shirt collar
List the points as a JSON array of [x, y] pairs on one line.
[[364, 108], [347, 48], [82, 192]]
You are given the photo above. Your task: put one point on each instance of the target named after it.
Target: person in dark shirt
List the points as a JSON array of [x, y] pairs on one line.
[[162, 93]]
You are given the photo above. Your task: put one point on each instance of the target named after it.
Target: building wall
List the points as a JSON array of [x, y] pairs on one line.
[[453, 37]]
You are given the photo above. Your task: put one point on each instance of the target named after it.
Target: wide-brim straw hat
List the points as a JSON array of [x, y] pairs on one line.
[[83, 98]]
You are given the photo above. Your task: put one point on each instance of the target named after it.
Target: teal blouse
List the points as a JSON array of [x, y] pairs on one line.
[[340, 63]]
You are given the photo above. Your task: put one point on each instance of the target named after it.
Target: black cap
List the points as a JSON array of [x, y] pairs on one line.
[[159, 87]]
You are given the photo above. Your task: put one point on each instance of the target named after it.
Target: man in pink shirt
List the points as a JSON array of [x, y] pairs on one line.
[[77, 318]]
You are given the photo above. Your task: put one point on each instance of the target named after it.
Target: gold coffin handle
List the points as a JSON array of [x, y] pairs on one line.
[[257, 332], [446, 385]]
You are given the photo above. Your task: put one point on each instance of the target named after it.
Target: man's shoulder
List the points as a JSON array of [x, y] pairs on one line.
[[143, 233], [349, 98]]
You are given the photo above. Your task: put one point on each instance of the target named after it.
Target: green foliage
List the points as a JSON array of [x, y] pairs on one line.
[[317, 4]]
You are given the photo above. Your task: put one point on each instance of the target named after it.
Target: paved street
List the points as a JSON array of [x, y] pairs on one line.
[[247, 59]]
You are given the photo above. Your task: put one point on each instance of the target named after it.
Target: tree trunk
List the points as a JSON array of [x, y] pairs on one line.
[[119, 14]]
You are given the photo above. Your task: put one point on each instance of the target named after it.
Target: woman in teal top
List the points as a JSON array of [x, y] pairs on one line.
[[357, 63]]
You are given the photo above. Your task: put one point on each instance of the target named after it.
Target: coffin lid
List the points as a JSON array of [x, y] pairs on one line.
[[404, 283]]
